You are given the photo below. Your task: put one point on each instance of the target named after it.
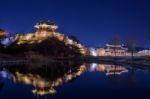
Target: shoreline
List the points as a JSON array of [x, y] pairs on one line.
[[137, 61]]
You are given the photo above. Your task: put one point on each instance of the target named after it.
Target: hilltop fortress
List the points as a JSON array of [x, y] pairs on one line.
[[47, 30]]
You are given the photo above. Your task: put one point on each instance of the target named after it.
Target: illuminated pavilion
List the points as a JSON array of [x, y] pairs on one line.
[[115, 50], [46, 28]]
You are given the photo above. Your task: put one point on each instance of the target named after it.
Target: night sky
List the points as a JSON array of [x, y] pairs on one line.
[[93, 22]]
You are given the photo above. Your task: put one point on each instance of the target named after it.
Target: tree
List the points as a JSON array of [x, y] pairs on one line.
[[131, 45], [148, 36]]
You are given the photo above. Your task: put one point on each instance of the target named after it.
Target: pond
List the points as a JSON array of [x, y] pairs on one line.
[[69, 80]]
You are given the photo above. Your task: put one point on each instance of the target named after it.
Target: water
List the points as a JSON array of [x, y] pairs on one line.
[[74, 80]]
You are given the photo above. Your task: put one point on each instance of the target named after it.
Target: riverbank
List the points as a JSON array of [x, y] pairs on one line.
[[139, 60], [136, 61]]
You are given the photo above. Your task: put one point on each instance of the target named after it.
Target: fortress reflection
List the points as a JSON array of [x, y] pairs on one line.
[[45, 78]]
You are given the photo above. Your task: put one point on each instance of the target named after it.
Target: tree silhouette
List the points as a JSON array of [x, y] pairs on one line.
[[115, 41], [131, 45], [48, 47]]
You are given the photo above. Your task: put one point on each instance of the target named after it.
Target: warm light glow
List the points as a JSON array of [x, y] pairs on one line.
[[115, 50], [43, 86], [101, 67], [101, 52], [53, 27], [3, 33], [41, 34]]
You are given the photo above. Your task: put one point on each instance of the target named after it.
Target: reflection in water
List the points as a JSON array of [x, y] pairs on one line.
[[112, 71], [132, 77], [6, 74], [44, 78], [1, 85], [108, 69], [93, 67]]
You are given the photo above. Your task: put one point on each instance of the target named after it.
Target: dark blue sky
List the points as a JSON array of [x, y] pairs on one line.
[[94, 22]]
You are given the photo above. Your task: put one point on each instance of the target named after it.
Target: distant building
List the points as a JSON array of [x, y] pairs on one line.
[[115, 50], [112, 50], [100, 52], [143, 53]]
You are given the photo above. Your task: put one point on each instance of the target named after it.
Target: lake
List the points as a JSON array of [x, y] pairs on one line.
[[69, 80]]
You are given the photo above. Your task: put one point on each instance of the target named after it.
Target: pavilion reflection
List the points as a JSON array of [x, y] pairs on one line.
[[112, 71], [108, 69], [1, 85], [47, 77]]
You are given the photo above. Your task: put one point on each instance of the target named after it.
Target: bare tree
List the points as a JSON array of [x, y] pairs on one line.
[[132, 44], [148, 36]]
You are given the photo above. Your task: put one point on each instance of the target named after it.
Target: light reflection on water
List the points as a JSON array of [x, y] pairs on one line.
[[108, 69], [51, 79]]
